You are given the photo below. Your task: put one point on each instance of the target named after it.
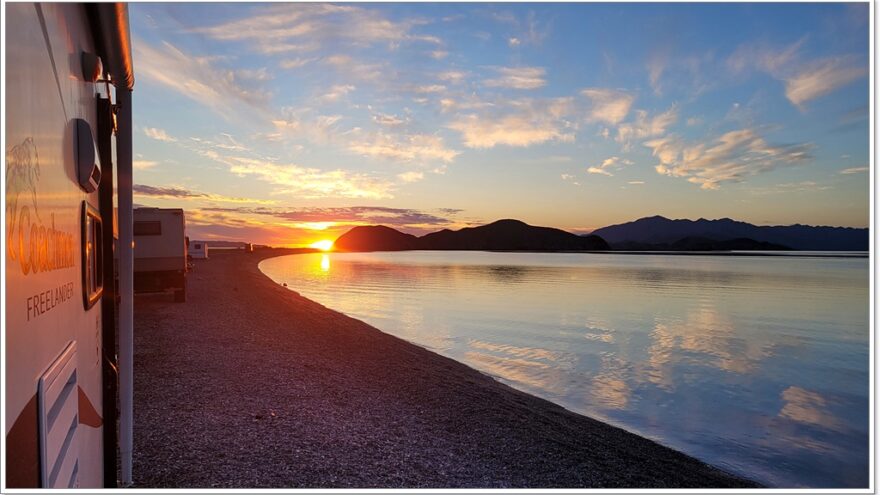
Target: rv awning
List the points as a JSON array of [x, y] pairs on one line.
[[110, 22]]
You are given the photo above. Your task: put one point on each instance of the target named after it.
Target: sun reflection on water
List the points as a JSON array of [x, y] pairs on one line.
[[325, 263]]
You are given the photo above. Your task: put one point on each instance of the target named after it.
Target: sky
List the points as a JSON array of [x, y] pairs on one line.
[[285, 124]]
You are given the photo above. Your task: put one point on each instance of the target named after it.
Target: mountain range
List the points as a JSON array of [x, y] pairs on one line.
[[503, 235], [655, 233], [658, 230]]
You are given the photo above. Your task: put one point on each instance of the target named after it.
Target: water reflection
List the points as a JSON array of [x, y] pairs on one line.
[[758, 365], [808, 407]]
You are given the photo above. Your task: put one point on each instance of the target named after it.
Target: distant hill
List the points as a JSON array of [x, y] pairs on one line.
[[503, 235], [661, 230], [375, 238], [702, 244]]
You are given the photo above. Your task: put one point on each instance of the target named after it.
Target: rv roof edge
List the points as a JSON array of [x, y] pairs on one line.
[[111, 24]]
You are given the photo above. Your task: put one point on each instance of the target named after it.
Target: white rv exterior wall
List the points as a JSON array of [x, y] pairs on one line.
[[44, 296]]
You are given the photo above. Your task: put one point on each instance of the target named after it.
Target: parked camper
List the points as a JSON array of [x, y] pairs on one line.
[[160, 251], [198, 250], [68, 98]]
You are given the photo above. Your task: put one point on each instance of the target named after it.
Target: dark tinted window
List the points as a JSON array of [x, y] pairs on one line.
[[148, 228]]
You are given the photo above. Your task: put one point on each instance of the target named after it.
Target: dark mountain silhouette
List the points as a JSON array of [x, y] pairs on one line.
[[703, 244], [375, 238], [511, 235], [661, 230], [503, 235]]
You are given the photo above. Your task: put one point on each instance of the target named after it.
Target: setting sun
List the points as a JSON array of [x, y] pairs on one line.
[[324, 245]]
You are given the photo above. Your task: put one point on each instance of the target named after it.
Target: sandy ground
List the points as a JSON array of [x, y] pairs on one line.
[[248, 384]]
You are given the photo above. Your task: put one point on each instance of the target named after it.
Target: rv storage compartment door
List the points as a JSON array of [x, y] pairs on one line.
[[59, 401]]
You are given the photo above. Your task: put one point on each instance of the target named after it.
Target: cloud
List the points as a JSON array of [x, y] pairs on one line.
[[854, 170], [768, 59], [439, 54], [411, 176], [144, 164], [521, 123], [310, 26], [388, 120], [821, 78], [599, 170], [429, 88], [295, 63], [730, 158], [452, 76], [336, 92], [636, 182], [610, 106], [349, 68], [158, 134], [226, 92], [308, 182], [804, 81], [646, 126], [788, 187], [414, 148], [518, 78], [406, 219], [179, 193], [656, 67], [608, 164], [290, 178]]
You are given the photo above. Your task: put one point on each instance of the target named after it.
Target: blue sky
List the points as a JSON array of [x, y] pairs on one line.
[[290, 123]]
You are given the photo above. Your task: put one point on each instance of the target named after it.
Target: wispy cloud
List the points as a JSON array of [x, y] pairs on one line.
[[520, 123], [308, 182], [452, 76], [415, 148], [224, 91], [296, 63], [411, 176], [385, 119], [791, 187], [646, 126], [144, 164], [179, 193], [609, 164], [821, 78], [406, 219], [336, 92], [609, 105], [730, 158], [804, 80], [158, 134], [570, 178], [299, 27], [854, 170], [518, 78]]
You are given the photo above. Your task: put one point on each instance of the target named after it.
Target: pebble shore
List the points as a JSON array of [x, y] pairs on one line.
[[249, 385]]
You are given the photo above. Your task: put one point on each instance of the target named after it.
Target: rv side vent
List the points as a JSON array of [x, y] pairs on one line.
[[59, 401]]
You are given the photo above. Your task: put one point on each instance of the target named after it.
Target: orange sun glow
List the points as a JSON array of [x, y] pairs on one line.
[[324, 245]]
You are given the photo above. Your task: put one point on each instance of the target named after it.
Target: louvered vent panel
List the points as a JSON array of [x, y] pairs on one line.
[[59, 400]]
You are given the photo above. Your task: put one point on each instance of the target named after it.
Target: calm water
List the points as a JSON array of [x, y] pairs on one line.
[[758, 365]]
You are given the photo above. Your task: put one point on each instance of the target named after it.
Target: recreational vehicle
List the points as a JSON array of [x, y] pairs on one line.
[[68, 79], [160, 251], [198, 250]]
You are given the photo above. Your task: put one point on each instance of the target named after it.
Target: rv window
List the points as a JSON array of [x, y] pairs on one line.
[[148, 228], [92, 247], [198, 246]]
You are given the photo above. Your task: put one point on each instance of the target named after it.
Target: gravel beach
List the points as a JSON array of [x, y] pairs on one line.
[[248, 384]]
